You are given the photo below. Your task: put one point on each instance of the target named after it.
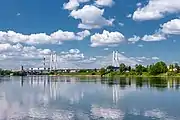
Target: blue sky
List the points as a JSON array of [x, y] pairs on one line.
[[83, 31]]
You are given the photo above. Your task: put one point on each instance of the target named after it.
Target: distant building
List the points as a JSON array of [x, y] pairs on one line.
[[73, 71], [38, 70], [173, 70]]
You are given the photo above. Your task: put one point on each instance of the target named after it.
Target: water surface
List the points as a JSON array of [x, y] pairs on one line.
[[73, 98]]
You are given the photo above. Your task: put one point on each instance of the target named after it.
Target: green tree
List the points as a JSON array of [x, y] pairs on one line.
[[102, 71], [122, 67], [140, 69], [158, 68], [82, 71], [110, 68], [5, 72], [129, 68]]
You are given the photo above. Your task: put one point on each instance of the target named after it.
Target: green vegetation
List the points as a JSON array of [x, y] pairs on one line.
[[5, 72], [158, 69], [11, 73], [82, 72]]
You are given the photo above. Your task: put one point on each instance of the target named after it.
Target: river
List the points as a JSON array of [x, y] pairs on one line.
[[82, 98]]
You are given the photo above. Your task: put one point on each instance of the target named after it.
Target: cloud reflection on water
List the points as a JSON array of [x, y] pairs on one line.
[[33, 99], [158, 114], [37, 96], [106, 113]]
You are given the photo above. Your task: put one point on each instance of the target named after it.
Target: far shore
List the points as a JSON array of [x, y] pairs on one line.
[[115, 76], [78, 75], [106, 76]]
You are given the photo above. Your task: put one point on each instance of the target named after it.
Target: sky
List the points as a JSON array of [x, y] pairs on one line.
[[83, 33]]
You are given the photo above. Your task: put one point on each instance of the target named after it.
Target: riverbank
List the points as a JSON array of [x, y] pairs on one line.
[[106, 76], [116, 76], [143, 75], [77, 75], [97, 74]]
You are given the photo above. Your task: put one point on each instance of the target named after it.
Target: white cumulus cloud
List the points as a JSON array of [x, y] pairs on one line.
[[171, 27], [19, 54], [106, 38], [41, 38], [140, 45], [20, 50], [121, 24], [74, 51], [134, 39], [83, 34], [154, 37], [72, 55], [155, 58], [129, 16], [91, 17], [104, 2], [156, 9], [106, 49], [73, 4], [139, 4]]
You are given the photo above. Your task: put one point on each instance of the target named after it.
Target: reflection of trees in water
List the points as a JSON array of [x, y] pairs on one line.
[[2, 79], [154, 82], [109, 81], [165, 83], [174, 83], [123, 82], [139, 82], [177, 84], [159, 83]]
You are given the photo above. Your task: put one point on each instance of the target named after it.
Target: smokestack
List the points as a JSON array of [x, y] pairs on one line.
[[22, 68], [117, 59], [113, 58], [55, 61], [51, 57], [44, 63], [116, 55]]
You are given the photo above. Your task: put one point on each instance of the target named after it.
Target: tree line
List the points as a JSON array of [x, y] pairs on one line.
[[153, 69], [159, 68], [5, 72]]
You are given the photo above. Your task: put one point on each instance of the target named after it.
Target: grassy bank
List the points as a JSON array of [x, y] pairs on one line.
[[117, 74], [77, 75], [96, 74], [144, 74]]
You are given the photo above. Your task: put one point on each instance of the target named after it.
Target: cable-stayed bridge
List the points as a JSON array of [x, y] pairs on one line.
[[114, 59]]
